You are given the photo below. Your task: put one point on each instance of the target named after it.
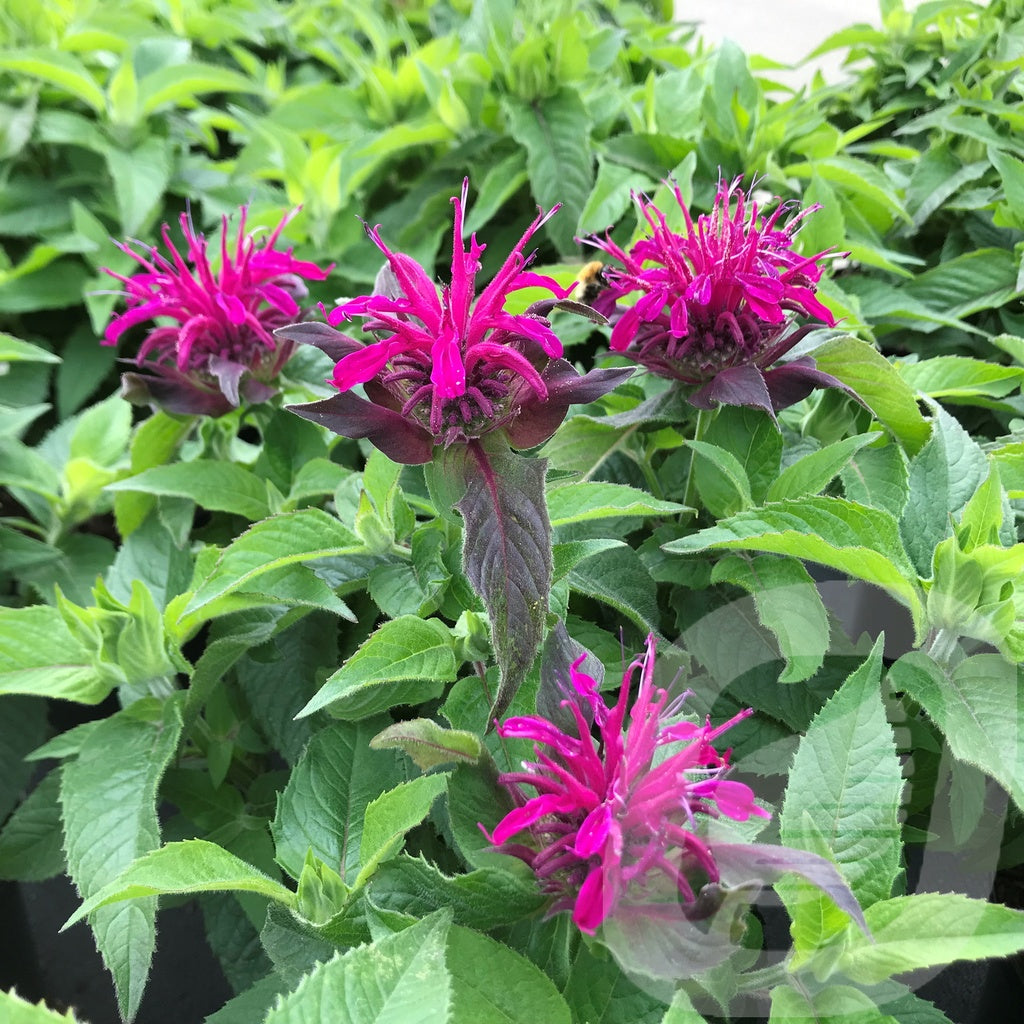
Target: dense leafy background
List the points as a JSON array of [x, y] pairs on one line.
[[313, 595]]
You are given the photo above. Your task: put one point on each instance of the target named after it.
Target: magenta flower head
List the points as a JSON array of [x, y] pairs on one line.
[[212, 342], [449, 365], [715, 307], [615, 820]]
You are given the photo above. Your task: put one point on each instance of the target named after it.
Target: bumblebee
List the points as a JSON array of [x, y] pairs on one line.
[[590, 282]]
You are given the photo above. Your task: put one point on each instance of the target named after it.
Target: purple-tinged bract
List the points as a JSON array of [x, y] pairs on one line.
[[212, 342], [715, 307], [449, 365], [617, 805]]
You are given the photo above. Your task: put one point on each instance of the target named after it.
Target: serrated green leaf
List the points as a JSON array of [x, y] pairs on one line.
[[14, 1010], [984, 278], [682, 1010], [31, 842], [600, 993], [812, 473], [942, 478], [485, 898], [217, 486], [960, 378], [580, 502], [109, 811], [190, 866], [928, 929], [185, 81], [389, 816], [847, 779], [752, 437], [879, 384], [978, 709], [323, 805], [860, 541], [555, 131], [141, 175], [39, 656], [619, 578], [406, 661], [381, 983], [275, 543], [428, 743], [787, 603], [838, 1004], [721, 480], [878, 477], [492, 984]]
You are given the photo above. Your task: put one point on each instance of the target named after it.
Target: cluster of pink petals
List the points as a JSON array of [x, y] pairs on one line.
[[218, 316], [458, 361], [719, 296], [613, 819]]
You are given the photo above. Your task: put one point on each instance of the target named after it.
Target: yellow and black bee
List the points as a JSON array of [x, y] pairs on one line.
[[590, 282]]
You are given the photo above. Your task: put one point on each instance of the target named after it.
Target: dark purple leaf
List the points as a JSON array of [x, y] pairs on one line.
[[560, 651], [738, 385], [173, 393], [351, 416], [507, 557], [748, 861], [792, 382], [331, 342]]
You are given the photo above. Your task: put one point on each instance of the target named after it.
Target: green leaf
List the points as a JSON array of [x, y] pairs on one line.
[[751, 436], [845, 785], [878, 477], [14, 1010], [555, 131], [38, 655], [406, 661], [619, 578], [492, 984], [397, 980], [31, 842], [812, 473], [682, 1010], [323, 805], [855, 175], [978, 709], [984, 278], [961, 379], [600, 993], [108, 795], [14, 350], [942, 478], [190, 866], [23, 727], [179, 83], [721, 480], [141, 176], [485, 898], [62, 69], [787, 603], [155, 441], [507, 558], [928, 929], [838, 1004], [428, 743], [879, 384], [217, 486], [275, 543], [583, 501], [860, 541], [391, 815]]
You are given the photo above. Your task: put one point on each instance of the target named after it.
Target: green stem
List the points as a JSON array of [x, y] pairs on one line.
[[764, 979], [700, 427], [942, 645]]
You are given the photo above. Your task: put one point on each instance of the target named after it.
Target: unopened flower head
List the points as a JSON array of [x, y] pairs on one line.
[[214, 320], [720, 298], [617, 805]]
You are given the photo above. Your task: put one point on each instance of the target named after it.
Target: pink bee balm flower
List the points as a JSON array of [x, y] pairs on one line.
[[714, 307], [449, 365], [613, 819], [213, 342]]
